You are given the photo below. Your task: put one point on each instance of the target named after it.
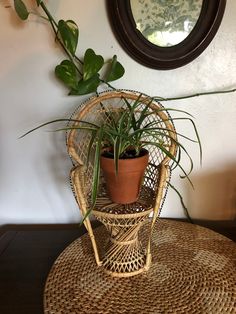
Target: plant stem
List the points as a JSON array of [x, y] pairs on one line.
[[43, 6], [78, 59], [109, 85], [54, 25], [182, 202], [41, 16], [193, 95]]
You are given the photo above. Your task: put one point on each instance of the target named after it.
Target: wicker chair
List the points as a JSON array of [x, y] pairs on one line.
[[123, 255]]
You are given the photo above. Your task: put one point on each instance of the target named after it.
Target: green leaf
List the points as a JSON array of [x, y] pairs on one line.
[[196, 133], [116, 70], [69, 33], [38, 2], [172, 157], [92, 64], [91, 126], [116, 148], [96, 174], [66, 72], [91, 143], [132, 110], [96, 170], [86, 87], [144, 113], [21, 9]]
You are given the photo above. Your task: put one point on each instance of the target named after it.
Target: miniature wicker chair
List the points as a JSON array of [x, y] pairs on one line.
[[123, 255]]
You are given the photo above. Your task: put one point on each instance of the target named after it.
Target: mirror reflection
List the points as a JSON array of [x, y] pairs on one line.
[[165, 23]]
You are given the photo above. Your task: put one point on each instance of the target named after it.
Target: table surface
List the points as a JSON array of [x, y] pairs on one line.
[[26, 257]]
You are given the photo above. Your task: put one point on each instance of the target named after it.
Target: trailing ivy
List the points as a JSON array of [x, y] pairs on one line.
[[81, 76]]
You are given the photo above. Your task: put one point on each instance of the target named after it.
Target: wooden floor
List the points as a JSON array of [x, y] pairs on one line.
[[26, 256]]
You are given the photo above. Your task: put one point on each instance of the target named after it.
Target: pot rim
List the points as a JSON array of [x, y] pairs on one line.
[[126, 159]]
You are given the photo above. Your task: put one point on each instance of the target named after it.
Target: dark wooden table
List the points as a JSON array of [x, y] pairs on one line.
[[27, 254]]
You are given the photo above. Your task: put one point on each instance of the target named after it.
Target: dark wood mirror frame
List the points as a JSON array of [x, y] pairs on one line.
[[164, 58]]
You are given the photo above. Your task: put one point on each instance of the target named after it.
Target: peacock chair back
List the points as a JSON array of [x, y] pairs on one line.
[[123, 221]]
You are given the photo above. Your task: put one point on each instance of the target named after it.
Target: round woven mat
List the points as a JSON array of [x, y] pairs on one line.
[[193, 271]]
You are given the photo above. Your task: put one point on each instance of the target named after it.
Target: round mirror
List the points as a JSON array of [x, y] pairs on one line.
[[165, 23], [165, 34]]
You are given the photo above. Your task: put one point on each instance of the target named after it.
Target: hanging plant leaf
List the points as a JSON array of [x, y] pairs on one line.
[[69, 33], [92, 64], [66, 72], [86, 87], [21, 9], [116, 70]]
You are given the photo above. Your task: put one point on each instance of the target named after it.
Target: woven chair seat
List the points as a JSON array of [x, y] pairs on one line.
[[144, 202]]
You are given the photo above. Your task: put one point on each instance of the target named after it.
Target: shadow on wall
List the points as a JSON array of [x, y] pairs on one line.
[[214, 197]]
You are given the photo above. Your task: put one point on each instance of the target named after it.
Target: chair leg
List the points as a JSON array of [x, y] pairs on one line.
[[75, 173], [163, 177]]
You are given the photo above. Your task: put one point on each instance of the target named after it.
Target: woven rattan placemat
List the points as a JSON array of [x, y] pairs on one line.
[[193, 271]]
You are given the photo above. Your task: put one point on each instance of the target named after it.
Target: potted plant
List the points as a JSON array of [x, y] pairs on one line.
[[124, 136], [82, 76], [119, 145]]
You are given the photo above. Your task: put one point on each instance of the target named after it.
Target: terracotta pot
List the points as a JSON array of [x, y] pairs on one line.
[[124, 187]]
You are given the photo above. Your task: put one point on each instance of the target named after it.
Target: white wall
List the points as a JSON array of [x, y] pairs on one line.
[[34, 185]]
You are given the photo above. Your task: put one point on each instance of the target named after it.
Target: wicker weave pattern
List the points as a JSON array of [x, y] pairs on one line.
[[123, 257], [94, 113], [124, 254], [193, 272]]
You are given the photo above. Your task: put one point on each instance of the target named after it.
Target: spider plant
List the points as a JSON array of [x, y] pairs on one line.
[[126, 132]]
